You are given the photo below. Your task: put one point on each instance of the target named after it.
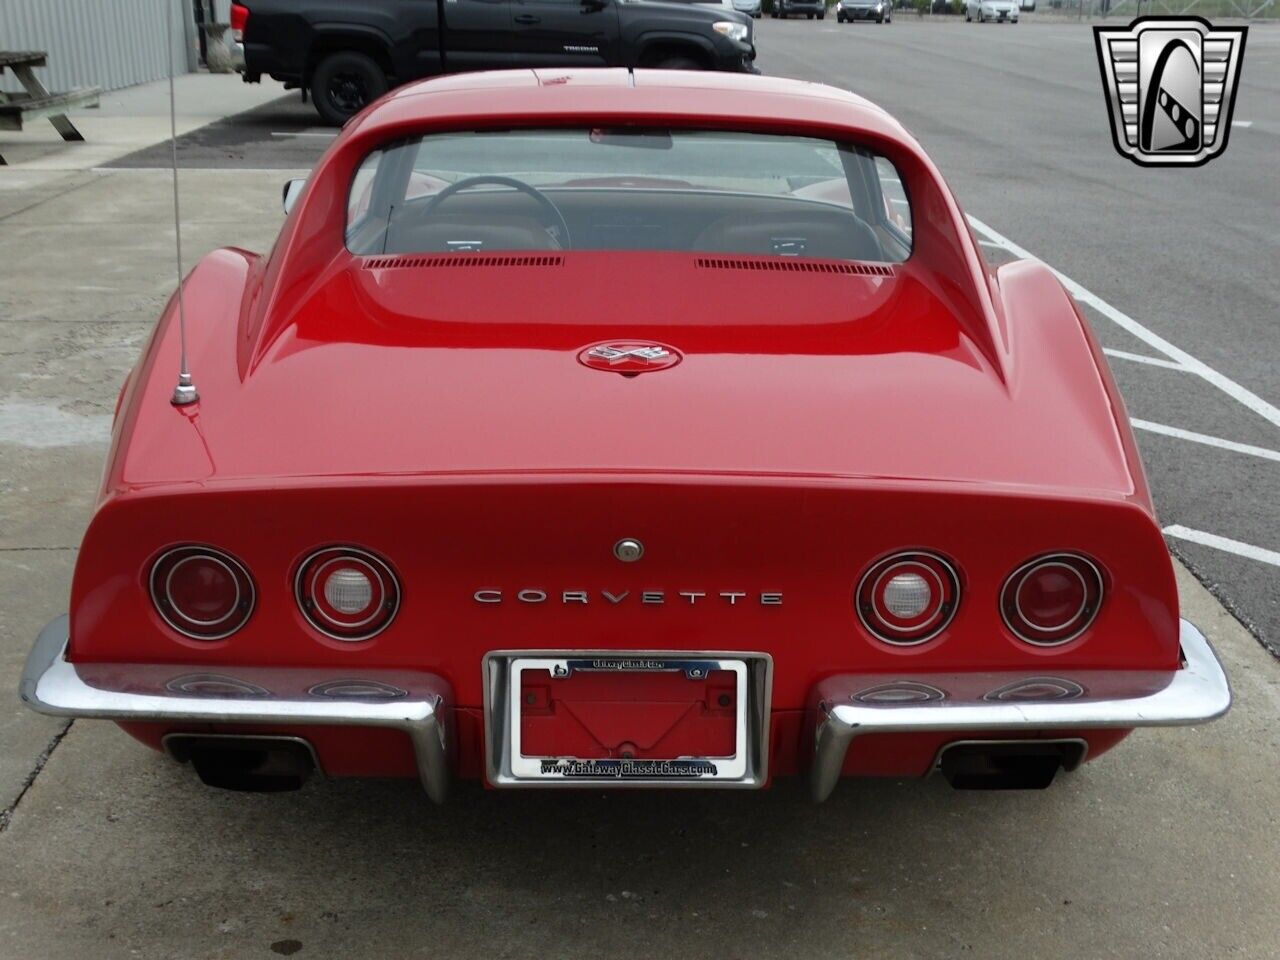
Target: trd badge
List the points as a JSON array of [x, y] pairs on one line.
[[1170, 84]]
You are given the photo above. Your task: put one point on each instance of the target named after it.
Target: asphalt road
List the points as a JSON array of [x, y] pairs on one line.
[[1015, 118]]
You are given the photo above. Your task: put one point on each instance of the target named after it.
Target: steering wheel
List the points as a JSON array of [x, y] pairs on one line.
[[466, 183]]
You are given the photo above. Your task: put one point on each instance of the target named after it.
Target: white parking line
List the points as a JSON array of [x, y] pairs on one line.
[[1223, 543], [1228, 386], [1206, 439], [305, 133], [1179, 359], [1242, 123], [1143, 358]]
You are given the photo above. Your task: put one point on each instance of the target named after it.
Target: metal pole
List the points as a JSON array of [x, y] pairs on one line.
[[185, 391]]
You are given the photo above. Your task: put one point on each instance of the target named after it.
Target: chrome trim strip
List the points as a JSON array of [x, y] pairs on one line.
[[137, 692], [232, 565], [1014, 581], [374, 562], [498, 710], [168, 589], [1197, 693], [896, 559]]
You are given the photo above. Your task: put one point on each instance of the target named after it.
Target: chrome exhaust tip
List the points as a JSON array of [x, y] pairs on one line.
[[245, 762], [1008, 764]]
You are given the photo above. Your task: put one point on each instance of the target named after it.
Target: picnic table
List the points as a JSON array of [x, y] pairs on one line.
[[37, 101]]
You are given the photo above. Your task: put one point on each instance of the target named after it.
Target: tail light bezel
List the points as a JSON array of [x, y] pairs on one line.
[[947, 579], [239, 19], [387, 587], [1092, 578], [167, 563]]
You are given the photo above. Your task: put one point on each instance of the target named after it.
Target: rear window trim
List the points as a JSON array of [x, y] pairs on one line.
[[832, 136]]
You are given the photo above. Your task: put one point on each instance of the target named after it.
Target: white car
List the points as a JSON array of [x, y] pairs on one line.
[[984, 10]]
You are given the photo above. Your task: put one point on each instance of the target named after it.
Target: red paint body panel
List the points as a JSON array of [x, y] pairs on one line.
[[440, 417]]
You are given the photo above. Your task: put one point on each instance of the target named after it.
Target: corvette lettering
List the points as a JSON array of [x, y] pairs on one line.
[[537, 595]]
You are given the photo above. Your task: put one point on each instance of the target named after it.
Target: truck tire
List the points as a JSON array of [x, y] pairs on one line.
[[344, 83], [679, 63]]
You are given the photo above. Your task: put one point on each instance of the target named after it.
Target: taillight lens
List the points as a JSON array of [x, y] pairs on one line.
[[908, 598], [347, 593], [1053, 599], [201, 592], [239, 20]]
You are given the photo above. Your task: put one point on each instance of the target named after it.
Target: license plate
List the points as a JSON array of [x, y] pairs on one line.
[[627, 719]]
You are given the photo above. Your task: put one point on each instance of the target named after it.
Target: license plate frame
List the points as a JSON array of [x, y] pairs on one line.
[[507, 766]]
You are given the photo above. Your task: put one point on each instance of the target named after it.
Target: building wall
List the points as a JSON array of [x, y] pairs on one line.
[[98, 43]]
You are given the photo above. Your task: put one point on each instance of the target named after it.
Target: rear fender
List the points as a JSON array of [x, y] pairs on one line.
[[1052, 345]]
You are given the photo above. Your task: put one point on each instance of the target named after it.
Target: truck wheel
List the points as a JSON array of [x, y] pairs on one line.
[[679, 63], [344, 83]]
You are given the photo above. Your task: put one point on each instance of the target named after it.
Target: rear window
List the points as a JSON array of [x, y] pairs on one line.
[[629, 189]]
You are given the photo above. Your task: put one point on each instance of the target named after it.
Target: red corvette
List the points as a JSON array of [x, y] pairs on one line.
[[624, 428]]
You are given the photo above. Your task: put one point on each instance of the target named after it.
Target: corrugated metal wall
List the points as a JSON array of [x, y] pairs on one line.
[[98, 43]]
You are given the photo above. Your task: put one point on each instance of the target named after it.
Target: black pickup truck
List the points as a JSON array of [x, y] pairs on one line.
[[347, 53]]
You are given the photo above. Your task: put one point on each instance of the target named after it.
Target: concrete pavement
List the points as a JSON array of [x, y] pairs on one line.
[[1166, 848], [131, 119]]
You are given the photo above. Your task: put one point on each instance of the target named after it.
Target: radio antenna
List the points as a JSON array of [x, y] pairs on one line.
[[185, 391]]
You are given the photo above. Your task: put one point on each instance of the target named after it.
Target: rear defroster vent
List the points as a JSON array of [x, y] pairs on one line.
[[397, 263], [797, 266]]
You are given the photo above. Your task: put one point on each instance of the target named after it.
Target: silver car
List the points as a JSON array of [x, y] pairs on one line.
[[881, 11], [998, 10], [752, 8]]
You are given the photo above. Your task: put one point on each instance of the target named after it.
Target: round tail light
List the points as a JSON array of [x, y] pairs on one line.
[[202, 593], [1053, 599], [908, 598], [347, 594]]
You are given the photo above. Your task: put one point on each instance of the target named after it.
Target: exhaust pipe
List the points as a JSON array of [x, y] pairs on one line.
[[245, 762], [1008, 764]]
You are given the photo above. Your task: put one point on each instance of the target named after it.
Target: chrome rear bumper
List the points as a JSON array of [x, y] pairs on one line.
[[847, 706], [853, 705], [410, 701]]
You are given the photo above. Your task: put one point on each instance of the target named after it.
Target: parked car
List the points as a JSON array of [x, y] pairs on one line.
[[806, 8], [347, 53], [997, 10], [881, 11], [624, 428], [1026, 6], [752, 8]]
